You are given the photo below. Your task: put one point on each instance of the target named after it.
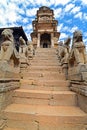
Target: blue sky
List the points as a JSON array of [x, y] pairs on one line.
[[71, 15]]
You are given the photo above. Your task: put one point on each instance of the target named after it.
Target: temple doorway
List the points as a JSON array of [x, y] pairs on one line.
[[45, 40], [45, 45]]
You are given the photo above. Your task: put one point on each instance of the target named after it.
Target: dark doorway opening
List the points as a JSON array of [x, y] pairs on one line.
[[45, 45], [45, 40]]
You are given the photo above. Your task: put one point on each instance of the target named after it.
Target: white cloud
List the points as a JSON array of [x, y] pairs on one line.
[[75, 9], [25, 20], [62, 2], [48, 2], [74, 29], [31, 12], [69, 21], [28, 29], [85, 34], [84, 2], [63, 36], [3, 2], [57, 12], [60, 26], [78, 15], [8, 13], [20, 11], [85, 16], [69, 7], [65, 28]]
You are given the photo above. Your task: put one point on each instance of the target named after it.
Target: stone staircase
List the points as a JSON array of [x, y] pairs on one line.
[[44, 101]]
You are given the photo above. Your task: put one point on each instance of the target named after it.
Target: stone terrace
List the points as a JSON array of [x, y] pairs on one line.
[[44, 101]]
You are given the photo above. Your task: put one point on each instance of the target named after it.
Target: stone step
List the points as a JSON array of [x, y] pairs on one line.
[[50, 54], [41, 97], [46, 114], [45, 58], [45, 68], [46, 63], [46, 83], [39, 87], [46, 55], [45, 50], [12, 128], [42, 125], [43, 75]]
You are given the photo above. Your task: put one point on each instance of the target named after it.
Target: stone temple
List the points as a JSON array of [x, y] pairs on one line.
[[43, 82], [45, 33]]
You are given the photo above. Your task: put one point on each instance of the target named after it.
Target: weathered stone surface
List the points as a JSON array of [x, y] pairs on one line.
[[63, 55], [22, 125], [8, 53], [78, 54], [6, 98], [2, 124], [42, 102], [45, 33], [61, 114], [9, 72], [8, 84], [80, 88], [82, 101], [78, 73], [47, 126], [23, 51], [42, 109], [41, 97], [31, 50], [77, 69]]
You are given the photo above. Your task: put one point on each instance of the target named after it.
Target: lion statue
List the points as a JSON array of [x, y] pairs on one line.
[[64, 51], [78, 52], [8, 53]]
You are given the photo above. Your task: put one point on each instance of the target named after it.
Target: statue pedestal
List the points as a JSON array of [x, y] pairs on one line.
[[30, 55], [65, 69], [23, 63], [2, 124], [78, 83], [78, 73], [78, 79], [9, 81]]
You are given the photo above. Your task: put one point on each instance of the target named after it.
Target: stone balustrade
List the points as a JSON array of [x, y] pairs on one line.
[[74, 64]]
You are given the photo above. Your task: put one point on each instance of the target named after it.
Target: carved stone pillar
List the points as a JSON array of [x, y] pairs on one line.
[[38, 41], [52, 41]]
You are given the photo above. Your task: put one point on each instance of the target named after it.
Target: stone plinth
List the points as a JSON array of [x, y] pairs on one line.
[[2, 124], [78, 73], [9, 81], [65, 69], [78, 83], [24, 63], [78, 77]]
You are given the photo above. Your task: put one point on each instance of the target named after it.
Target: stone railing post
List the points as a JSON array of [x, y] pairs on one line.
[[23, 52], [63, 54], [77, 69], [9, 72]]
